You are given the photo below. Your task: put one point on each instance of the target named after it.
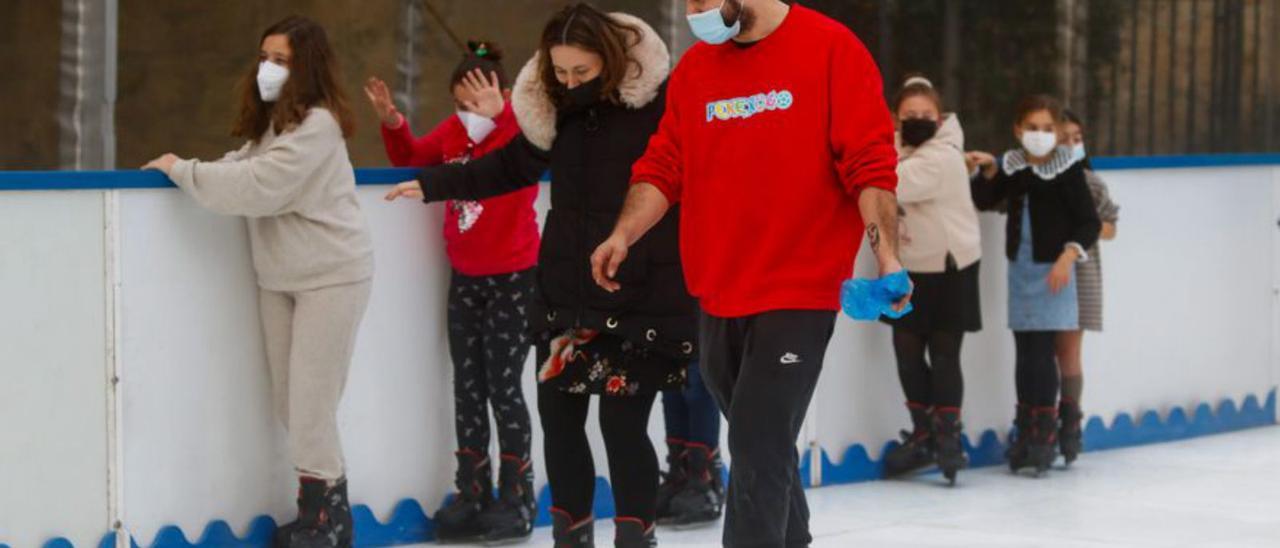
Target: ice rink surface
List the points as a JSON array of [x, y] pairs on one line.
[[1216, 491]]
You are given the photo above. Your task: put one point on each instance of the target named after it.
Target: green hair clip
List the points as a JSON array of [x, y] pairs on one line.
[[482, 51]]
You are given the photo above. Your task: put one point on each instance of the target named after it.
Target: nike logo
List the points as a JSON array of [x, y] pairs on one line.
[[789, 359]]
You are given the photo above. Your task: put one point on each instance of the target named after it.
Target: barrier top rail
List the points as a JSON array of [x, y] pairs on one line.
[[134, 179]]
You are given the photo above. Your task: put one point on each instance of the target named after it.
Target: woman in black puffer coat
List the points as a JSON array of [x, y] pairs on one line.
[[587, 103]]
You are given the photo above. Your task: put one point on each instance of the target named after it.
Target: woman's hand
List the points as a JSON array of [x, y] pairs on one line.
[[978, 159], [163, 164], [1060, 274], [380, 97], [407, 189], [488, 94]]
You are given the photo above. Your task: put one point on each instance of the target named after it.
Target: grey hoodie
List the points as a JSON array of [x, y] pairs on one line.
[[297, 191]]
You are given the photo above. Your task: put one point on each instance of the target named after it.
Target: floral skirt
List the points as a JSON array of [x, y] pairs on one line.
[[588, 362]]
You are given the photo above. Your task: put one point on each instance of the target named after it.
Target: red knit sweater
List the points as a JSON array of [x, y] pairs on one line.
[[767, 147], [501, 234]]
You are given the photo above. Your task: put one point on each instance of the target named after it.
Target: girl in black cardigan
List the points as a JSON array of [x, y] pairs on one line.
[[1051, 222], [587, 103]]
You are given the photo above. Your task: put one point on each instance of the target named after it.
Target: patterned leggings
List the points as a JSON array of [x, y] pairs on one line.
[[487, 340]]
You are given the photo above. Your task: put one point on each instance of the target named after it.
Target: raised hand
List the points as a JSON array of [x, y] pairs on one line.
[[380, 97], [487, 91]]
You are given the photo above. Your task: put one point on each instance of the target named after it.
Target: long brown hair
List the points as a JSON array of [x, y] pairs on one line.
[[313, 82], [583, 26]]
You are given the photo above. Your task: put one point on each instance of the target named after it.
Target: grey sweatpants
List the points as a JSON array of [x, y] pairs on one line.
[[310, 337]]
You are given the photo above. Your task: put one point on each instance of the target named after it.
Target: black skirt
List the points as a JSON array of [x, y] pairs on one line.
[[946, 301], [609, 365]]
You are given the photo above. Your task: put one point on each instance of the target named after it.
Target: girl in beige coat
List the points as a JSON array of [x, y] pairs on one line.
[[939, 245]]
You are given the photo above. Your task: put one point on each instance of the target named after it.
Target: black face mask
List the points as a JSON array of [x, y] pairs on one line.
[[586, 94], [916, 131]]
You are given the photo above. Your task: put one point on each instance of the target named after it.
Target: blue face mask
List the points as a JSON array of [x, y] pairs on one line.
[[1077, 152], [709, 26]]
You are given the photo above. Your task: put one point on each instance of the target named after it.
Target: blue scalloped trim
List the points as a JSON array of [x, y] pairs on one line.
[[409, 524], [219, 533], [108, 541], [858, 466]]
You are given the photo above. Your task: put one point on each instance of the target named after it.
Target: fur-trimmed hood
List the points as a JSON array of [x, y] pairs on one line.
[[536, 113]]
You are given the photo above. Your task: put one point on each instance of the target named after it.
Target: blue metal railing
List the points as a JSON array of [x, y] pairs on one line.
[[1185, 161], [128, 179], [131, 179]]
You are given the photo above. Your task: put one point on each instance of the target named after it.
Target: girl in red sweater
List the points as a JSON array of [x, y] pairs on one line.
[[493, 247]]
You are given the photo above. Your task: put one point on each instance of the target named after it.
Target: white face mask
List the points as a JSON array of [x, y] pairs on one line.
[[1077, 152], [271, 79], [1039, 143], [478, 127]]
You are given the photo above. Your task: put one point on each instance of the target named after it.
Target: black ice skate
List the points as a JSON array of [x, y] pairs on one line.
[[459, 521], [633, 533], [1017, 452], [510, 518], [673, 480], [916, 451], [572, 533], [947, 447], [1070, 430], [702, 499], [324, 517], [1042, 444]]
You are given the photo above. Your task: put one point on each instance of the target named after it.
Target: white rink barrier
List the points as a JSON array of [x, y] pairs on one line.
[[134, 399]]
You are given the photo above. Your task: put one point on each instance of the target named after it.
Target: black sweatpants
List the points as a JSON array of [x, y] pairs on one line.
[[489, 346], [1036, 368], [762, 370], [633, 464]]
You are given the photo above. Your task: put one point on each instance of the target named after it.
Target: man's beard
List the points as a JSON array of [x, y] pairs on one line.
[[734, 10]]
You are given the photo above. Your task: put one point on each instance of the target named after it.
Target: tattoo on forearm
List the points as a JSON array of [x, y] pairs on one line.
[[879, 210], [888, 225]]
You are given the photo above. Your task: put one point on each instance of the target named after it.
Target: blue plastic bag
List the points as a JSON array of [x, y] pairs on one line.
[[866, 300]]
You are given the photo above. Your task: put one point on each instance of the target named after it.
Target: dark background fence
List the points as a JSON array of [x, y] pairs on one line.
[[1148, 76]]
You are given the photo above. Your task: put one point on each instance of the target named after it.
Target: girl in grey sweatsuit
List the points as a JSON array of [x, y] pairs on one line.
[[294, 184]]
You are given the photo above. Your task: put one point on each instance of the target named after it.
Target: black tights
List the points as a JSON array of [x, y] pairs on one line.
[[937, 381], [633, 465], [1036, 374]]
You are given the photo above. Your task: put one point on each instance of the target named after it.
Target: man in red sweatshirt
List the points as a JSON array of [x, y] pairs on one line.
[[779, 147]]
